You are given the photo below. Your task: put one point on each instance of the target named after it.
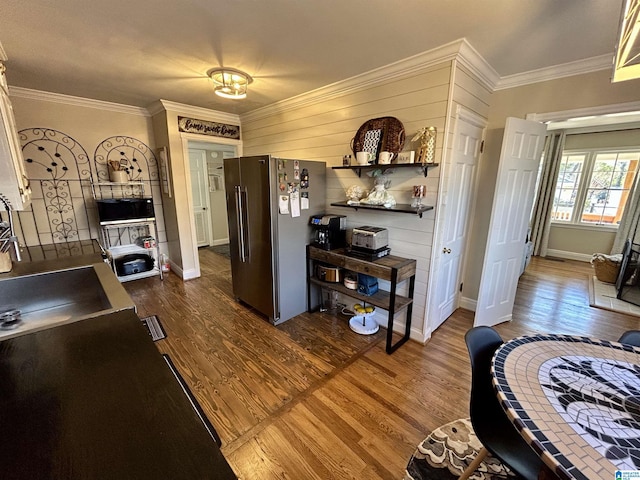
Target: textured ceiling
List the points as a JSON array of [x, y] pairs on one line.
[[136, 52]]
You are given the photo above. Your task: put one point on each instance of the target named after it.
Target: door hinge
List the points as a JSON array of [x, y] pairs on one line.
[[461, 286], [482, 146]]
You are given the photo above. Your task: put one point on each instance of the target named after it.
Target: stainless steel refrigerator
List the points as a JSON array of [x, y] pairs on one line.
[[267, 240]]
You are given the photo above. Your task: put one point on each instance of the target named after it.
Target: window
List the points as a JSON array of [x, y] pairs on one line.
[[593, 186]]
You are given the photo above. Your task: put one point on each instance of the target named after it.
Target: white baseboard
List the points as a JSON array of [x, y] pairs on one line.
[[468, 303], [580, 257], [223, 241], [184, 274], [190, 274], [176, 269]]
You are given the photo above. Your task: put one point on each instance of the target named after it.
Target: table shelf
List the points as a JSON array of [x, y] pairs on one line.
[[381, 298], [391, 268]]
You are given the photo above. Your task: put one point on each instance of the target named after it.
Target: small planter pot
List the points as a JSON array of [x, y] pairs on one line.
[[118, 176]]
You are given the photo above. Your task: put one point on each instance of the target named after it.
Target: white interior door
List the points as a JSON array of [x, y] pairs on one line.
[[522, 146], [457, 209], [200, 189]]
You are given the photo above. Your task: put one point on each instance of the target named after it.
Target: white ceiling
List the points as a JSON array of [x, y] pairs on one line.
[[136, 52]]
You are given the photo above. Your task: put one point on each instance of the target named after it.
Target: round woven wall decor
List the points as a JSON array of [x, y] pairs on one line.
[[391, 135]]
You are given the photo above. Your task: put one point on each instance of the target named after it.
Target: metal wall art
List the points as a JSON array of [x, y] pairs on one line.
[[61, 174], [58, 168], [134, 157]]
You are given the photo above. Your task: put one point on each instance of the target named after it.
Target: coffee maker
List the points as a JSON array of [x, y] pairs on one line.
[[329, 231]]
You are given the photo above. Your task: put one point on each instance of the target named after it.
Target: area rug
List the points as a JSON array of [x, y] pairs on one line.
[[194, 403], [603, 295], [155, 327], [221, 250], [447, 452]]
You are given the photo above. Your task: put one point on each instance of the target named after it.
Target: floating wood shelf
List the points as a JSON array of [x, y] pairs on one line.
[[399, 207], [358, 168]]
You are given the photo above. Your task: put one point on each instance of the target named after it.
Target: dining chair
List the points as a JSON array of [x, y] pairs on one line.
[[490, 422], [631, 337]]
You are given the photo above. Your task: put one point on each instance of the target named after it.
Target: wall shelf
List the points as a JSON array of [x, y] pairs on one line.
[[399, 208], [358, 168], [113, 243]]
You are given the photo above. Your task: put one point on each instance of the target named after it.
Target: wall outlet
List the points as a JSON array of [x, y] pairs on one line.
[[406, 157]]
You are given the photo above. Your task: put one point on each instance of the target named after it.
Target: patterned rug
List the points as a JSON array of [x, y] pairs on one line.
[[447, 451], [221, 250]]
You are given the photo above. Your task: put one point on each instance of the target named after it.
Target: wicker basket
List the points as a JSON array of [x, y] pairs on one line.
[[605, 268]]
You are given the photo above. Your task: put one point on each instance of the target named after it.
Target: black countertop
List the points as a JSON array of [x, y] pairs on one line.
[[95, 399]]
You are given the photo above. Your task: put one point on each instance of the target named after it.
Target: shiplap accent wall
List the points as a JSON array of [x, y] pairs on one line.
[[323, 131]]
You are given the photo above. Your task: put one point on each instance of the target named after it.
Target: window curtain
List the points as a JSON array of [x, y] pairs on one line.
[[628, 228], [541, 216]]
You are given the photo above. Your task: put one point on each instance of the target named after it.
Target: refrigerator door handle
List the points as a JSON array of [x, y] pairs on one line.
[[240, 223]]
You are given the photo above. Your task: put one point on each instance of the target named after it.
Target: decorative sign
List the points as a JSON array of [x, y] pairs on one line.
[[205, 127]]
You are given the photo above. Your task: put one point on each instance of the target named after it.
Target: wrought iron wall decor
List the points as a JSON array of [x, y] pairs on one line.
[[135, 158], [140, 164], [59, 170], [63, 210]]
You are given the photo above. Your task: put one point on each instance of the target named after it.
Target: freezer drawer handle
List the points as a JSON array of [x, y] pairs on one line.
[[240, 223]]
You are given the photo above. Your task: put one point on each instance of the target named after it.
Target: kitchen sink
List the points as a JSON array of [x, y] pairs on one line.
[[49, 299]]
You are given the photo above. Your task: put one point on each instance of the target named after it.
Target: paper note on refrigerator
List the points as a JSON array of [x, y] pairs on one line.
[[283, 204], [304, 201], [295, 204]]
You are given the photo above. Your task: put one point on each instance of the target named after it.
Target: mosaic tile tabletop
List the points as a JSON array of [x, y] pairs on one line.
[[576, 400]]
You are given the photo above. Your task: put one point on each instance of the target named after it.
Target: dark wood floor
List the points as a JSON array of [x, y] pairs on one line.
[[310, 399]]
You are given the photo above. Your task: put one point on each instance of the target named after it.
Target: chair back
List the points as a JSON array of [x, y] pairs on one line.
[[631, 337], [490, 422], [482, 343]]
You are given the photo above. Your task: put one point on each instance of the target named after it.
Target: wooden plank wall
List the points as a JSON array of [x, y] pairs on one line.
[[323, 129]]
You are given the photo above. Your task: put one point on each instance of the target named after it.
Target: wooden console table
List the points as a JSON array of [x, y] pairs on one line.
[[391, 268]]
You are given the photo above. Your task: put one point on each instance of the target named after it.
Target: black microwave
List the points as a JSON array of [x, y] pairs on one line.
[[117, 209]]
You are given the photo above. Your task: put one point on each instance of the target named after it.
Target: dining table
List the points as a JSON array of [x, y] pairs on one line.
[[575, 400]]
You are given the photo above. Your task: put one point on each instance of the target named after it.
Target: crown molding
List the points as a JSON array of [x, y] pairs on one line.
[[195, 112], [457, 50], [584, 112], [30, 94], [470, 58], [579, 67]]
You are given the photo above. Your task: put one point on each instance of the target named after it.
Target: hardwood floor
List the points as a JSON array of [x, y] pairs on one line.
[[310, 399]]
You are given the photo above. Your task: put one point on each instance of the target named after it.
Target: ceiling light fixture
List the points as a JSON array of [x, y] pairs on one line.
[[229, 82], [626, 62]]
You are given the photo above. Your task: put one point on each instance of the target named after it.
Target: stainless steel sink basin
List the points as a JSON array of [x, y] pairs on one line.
[[48, 299]]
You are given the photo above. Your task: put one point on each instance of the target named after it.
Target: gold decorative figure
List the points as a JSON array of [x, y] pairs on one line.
[[427, 137]]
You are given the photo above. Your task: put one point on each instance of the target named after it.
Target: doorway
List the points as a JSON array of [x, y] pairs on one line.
[[574, 231], [209, 205]]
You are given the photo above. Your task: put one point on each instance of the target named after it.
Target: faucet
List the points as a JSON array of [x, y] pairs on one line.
[[7, 233]]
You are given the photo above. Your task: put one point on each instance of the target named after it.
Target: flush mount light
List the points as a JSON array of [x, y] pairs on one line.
[[229, 82]]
